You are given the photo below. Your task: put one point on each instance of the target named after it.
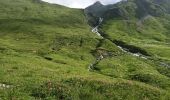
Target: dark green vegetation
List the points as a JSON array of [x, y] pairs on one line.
[[46, 50]]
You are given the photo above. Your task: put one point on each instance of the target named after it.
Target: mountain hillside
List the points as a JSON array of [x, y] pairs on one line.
[[137, 26], [49, 52]]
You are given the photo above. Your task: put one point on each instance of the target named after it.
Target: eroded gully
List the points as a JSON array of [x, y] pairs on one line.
[[95, 30], [92, 66]]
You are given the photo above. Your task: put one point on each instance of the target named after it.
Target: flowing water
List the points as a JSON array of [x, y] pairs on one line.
[[99, 58]]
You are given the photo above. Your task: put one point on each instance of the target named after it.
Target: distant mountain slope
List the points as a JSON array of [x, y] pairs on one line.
[[135, 25], [48, 52], [139, 19], [129, 9]]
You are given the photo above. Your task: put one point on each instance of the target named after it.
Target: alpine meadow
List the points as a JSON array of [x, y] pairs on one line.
[[117, 51]]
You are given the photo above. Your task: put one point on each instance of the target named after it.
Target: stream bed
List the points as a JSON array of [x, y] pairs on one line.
[[129, 49], [123, 48]]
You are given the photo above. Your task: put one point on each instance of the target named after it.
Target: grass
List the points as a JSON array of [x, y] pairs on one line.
[[149, 34], [45, 51]]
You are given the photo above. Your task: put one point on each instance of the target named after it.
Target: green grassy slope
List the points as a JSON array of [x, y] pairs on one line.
[[149, 31], [138, 24], [45, 51]]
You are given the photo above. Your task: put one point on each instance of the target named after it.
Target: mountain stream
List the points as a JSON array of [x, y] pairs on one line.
[[99, 58]]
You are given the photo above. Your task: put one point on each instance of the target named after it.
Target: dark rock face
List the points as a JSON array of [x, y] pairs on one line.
[[94, 12], [127, 9], [96, 9]]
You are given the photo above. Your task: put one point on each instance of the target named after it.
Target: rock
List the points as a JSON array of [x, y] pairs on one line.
[[4, 86]]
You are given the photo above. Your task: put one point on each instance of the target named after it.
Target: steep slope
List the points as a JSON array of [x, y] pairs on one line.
[[138, 27], [46, 50], [135, 21], [147, 22], [40, 43]]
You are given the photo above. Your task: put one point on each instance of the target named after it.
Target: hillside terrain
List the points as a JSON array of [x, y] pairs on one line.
[[48, 51]]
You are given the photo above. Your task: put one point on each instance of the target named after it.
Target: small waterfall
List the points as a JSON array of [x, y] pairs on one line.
[[96, 30]]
